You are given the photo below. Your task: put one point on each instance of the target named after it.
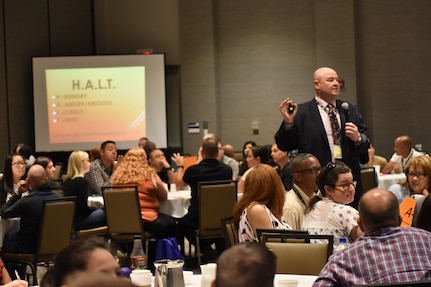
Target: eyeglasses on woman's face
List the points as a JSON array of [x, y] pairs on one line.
[[419, 175], [345, 186], [19, 163]]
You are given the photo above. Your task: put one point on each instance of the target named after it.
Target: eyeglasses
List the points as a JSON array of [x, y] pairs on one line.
[[420, 175], [345, 186], [313, 170], [19, 163]]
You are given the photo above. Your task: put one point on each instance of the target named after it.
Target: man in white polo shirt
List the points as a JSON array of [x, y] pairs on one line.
[[403, 154]]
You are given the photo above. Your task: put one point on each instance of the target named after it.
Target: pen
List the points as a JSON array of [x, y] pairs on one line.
[[17, 275]]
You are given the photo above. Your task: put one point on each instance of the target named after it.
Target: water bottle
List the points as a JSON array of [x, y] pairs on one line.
[[342, 243], [138, 258]]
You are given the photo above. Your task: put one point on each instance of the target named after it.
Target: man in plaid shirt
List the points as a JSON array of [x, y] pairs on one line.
[[385, 253]]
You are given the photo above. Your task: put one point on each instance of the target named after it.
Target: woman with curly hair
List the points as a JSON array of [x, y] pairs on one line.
[[261, 206], [134, 170]]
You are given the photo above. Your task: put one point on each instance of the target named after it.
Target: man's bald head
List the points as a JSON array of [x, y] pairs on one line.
[[378, 208], [405, 141], [229, 150], [36, 176], [320, 72]]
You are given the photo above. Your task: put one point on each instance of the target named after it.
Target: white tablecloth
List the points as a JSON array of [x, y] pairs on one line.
[[303, 280], [386, 180], [8, 225], [176, 206]]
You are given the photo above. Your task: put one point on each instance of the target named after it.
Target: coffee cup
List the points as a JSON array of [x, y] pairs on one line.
[[188, 277], [141, 278]]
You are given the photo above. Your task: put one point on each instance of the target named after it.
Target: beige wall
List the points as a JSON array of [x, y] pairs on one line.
[[237, 59]]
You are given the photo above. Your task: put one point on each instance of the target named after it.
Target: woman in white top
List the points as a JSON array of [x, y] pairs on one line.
[[261, 206], [332, 215]]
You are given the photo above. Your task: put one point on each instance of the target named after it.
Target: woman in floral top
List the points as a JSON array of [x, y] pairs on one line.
[[261, 206]]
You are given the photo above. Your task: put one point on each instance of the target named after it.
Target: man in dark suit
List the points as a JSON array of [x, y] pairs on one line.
[[321, 129], [29, 209]]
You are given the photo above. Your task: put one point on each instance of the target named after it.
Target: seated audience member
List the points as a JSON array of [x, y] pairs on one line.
[[13, 173], [29, 209], [90, 254], [306, 168], [331, 214], [209, 169], [149, 147], [423, 220], [221, 156], [26, 152], [49, 167], [229, 150], [247, 264], [142, 141], [403, 154], [375, 159], [5, 279], [102, 168], [261, 206], [284, 166], [134, 170], [85, 217], [417, 186], [386, 253], [418, 172], [157, 160], [258, 154], [248, 145], [94, 153], [228, 161]]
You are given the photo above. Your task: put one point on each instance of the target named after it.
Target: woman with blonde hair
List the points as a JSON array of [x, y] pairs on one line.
[[418, 174], [261, 206], [134, 170], [86, 217], [417, 185]]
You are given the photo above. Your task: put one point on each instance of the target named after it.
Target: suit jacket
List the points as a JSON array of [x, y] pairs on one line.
[[308, 135], [29, 208]]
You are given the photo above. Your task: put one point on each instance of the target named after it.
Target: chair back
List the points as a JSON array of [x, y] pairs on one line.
[[123, 212], [56, 226], [368, 178], [230, 231], [261, 231], [57, 173], [216, 200], [299, 257]]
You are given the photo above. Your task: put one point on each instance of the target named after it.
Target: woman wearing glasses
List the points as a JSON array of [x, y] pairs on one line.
[[417, 186], [13, 172], [418, 172], [332, 215]]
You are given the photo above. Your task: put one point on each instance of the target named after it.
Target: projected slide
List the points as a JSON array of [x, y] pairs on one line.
[[81, 101], [93, 103]]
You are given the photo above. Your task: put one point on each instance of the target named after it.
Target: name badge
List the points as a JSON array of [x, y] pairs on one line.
[[338, 153]]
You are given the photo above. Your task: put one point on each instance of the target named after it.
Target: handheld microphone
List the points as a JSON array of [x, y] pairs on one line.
[[345, 107]]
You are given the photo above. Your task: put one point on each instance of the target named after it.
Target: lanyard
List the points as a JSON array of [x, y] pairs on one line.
[[299, 195]]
